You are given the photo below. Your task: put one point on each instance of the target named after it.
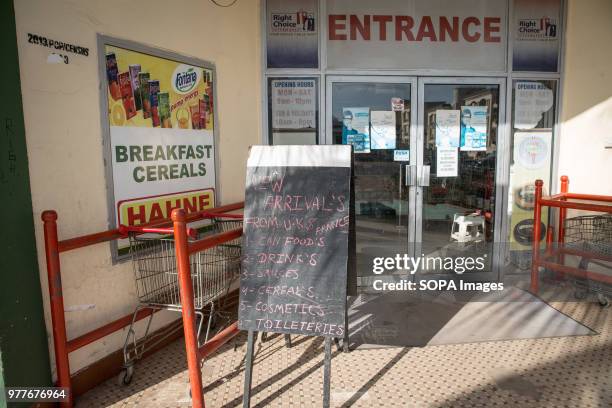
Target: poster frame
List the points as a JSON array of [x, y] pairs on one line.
[[103, 41]]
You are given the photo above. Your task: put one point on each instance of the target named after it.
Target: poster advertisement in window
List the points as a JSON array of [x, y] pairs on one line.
[[447, 127], [474, 128], [383, 131], [292, 39], [356, 128], [160, 136], [531, 161], [537, 33]]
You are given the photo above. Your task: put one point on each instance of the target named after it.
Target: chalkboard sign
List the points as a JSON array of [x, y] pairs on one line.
[[297, 242]]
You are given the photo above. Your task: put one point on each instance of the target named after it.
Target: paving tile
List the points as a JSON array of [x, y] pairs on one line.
[[548, 372]]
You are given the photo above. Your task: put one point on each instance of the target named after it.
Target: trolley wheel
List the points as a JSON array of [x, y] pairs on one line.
[[603, 300], [580, 294], [126, 375]]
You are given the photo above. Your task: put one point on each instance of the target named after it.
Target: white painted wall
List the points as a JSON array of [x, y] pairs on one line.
[[64, 139], [586, 114]]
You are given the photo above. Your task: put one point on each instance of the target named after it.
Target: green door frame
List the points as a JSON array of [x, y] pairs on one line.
[[23, 339]]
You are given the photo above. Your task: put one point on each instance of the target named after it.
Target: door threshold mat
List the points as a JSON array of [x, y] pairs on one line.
[[409, 320]]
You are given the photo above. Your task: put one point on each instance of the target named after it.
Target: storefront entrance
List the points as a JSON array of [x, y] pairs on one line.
[[428, 175]]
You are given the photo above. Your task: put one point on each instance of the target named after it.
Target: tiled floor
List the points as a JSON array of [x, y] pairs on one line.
[[549, 372]]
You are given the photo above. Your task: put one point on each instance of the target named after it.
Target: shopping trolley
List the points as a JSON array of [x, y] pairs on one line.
[[154, 262], [587, 238], [590, 234]]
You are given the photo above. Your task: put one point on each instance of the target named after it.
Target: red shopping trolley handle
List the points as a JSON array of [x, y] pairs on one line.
[[207, 214], [126, 229]]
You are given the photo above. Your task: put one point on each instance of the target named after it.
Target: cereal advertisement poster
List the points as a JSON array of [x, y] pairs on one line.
[[161, 121]]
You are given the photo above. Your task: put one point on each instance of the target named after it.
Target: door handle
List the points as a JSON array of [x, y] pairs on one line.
[[411, 175], [417, 176], [423, 176]]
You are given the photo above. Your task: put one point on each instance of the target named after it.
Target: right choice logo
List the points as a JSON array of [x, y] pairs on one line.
[[300, 22], [544, 28]]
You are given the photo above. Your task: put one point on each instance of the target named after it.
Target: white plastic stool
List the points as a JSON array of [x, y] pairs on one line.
[[468, 228]]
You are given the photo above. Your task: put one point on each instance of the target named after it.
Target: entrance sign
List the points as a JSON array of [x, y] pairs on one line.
[[296, 243], [416, 34], [161, 148]]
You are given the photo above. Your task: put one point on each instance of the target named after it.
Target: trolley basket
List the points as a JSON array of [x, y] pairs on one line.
[[590, 234], [157, 285]]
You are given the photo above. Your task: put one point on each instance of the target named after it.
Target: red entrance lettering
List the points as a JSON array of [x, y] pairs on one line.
[[382, 25], [470, 29], [465, 29], [490, 28], [426, 29], [404, 24], [447, 28], [356, 25], [336, 22]]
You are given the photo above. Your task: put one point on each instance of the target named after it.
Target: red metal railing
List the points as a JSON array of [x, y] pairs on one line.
[[195, 354], [53, 248], [554, 258]]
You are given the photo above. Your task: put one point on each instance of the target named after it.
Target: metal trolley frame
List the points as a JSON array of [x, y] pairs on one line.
[[196, 353], [588, 237], [154, 262], [54, 247]]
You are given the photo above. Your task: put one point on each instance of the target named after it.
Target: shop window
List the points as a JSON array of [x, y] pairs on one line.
[[293, 110], [533, 120]]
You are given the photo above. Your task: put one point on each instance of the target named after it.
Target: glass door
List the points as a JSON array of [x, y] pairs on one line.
[[377, 116], [457, 181]]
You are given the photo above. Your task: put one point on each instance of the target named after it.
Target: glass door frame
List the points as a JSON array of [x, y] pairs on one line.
[[502, 167], [417, 136], [414, 110]]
